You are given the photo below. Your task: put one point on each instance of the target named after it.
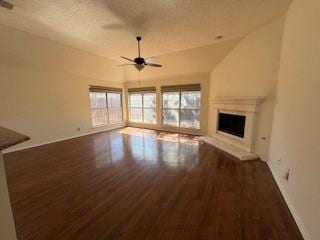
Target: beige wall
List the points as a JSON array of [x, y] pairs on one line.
[[18, 47], [203, 79], [7, 228], [44, 86], [296, 129], [250, 70], [45, 105]]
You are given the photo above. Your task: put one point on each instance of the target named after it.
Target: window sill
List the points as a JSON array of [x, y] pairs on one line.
[[108, 125], [181, 128], [142, 123]]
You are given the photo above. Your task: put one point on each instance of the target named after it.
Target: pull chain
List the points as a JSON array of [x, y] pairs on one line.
[[139, 78]]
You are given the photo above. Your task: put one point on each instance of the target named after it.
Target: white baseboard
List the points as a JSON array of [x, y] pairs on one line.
[[289, 203], [98, 130]]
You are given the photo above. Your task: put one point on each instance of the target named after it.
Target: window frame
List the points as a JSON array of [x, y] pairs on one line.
[[105, 92], [142, 107], [180, 109], [176, 109], [121, 108], [129, 107]]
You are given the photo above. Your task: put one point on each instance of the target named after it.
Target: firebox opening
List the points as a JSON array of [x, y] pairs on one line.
[[232, 124]]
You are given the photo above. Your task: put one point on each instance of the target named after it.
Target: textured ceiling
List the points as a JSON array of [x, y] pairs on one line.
[[188, 62], [109, 27]]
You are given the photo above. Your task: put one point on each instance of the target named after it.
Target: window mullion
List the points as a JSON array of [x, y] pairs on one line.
[[179, 108], [107, 107], [161, 99], [142, 107]]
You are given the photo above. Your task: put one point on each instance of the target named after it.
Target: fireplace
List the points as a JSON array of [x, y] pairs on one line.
[[234, 121], [232, 124]]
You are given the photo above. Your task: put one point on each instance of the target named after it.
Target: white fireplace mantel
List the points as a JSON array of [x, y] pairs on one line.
[[245, 106]]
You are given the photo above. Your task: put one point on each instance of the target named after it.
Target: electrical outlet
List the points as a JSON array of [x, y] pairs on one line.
[[286, 174]]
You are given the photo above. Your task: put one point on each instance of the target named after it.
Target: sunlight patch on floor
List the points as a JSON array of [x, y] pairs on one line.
[[162, 136], [178, 138], [136, 131]]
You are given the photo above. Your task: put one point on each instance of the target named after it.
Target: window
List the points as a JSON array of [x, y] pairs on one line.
[[181, 106], [114, 107], [106, 105], [171, 108], [149, 108], [142, 105], [99, 111], [135, 111], [190, 109]]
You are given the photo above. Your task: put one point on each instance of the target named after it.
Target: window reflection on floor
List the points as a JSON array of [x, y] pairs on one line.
[[154, 149], [144, 148], [117, 149], [109, 151]]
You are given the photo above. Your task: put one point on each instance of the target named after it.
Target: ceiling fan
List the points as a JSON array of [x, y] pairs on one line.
[[6, 5], [139, 62]]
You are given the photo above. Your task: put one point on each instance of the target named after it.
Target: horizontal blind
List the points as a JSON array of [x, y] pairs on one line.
[[93, 88], [142, 89], [178, 88]]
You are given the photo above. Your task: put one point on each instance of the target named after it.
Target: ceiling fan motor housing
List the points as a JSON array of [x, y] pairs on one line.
[[139, 60]]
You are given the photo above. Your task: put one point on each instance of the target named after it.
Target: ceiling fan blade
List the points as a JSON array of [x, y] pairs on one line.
[[6, 5], [129, 64], [153, 65], [127, 59]]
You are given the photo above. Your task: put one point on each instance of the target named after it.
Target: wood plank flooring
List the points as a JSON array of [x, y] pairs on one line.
[[141, 184]]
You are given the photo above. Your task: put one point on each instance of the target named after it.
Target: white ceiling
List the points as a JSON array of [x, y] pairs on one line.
[[109, 27]]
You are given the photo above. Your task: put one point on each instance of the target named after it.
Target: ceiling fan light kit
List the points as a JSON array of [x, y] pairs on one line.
[[139, 62], [139, 67]]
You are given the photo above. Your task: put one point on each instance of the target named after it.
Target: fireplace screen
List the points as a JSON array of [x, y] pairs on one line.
[[232, 124]]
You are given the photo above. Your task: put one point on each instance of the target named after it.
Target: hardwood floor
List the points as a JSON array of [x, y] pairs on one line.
[[141, 184]]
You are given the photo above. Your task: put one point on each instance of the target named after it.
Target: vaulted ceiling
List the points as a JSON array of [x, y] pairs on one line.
[[187, 62], [109, 27]]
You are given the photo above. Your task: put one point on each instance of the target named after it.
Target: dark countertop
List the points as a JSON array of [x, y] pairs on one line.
[[10, 138]]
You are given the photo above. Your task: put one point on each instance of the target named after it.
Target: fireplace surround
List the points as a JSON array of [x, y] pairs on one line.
[[247, 107], [239, 112]]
